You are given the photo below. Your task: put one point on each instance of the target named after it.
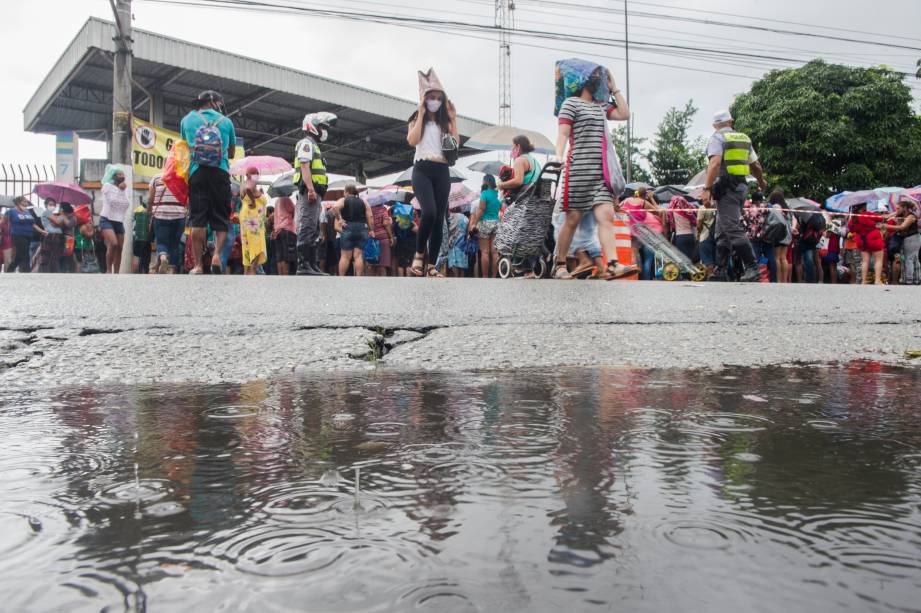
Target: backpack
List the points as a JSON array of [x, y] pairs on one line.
[[208, 144], [403, 216], [775, 228]]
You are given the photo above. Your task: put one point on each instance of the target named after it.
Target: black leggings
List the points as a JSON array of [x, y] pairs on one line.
[[432, 186], [21, 258]]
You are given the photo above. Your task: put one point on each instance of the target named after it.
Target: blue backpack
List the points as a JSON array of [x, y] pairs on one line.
[[403, 216], [208, 144]]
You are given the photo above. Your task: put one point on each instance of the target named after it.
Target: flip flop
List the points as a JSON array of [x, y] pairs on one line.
[[417, 271], [626, 271], [583, 272]]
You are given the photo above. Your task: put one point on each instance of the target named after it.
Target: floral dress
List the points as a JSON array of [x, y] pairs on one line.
[[252, 230]]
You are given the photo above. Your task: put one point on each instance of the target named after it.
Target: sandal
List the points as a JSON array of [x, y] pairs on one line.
[[584, 271], [618, 271], [560, 272], [417, 271], [434, 273]]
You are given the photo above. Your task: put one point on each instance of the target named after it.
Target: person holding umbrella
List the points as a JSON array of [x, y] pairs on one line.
[[312, 183], [732, 159], [433, 121]]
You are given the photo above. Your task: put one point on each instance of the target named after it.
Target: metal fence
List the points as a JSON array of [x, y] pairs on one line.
[[20, 179]]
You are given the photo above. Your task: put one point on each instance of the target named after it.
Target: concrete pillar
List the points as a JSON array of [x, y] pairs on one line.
[[157, 108]]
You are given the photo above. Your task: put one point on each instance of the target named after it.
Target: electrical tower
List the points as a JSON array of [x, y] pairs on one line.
[[505, 21]]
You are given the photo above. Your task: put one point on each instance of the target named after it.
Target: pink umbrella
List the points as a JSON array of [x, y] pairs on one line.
[[460, 199], [265, 164], [62, 192]]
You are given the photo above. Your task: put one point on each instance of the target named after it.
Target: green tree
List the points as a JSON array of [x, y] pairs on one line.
[[675, 157], [825, 128], [640, 173]]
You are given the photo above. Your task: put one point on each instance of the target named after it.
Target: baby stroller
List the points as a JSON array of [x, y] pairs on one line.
[[670, 261], [524, 239]]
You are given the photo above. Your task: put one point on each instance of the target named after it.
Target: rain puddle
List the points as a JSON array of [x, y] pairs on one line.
[[787, 489]]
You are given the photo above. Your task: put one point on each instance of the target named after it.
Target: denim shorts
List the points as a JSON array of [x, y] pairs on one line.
[[116, 226], [354, 236]]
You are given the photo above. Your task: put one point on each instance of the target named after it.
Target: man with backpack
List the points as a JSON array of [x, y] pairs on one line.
[[212, 141], [732, 159], [312, 182]]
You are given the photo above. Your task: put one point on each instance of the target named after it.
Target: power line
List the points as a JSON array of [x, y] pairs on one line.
[[467, 26], [713, 22]]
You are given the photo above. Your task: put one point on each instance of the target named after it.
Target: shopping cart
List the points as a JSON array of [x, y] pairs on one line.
[[670, 262]]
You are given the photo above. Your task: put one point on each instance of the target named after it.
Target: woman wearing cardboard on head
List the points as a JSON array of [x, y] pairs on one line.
[[435, 118]]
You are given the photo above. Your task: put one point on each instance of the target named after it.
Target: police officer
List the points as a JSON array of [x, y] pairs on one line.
[[732, 159], [311, 182]]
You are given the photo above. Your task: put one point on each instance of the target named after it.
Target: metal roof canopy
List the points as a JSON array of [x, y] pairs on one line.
[[267, 102]]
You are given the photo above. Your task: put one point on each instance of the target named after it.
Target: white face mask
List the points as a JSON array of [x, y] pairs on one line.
[[323, 135], [433, 105]]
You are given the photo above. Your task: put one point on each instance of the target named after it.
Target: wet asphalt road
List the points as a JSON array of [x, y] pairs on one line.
[[61, 329]]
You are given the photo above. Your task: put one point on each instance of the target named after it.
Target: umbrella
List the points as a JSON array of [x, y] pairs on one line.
[[875, 199], [499, 138], [804, 208], [341, 184], [407, 177], [383, 196], [265, 164], [62, 192], [460, 199], [665, 193], [282, 186], [491, 167]]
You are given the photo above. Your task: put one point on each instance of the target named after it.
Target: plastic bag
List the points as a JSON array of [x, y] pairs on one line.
[[176, 171], [373, 251], [613, 174]]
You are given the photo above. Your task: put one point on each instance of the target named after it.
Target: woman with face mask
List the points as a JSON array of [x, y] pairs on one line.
[[435, 117], [115, 205]]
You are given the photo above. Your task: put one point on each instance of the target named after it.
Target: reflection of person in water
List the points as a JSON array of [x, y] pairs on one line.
[[585, 477]]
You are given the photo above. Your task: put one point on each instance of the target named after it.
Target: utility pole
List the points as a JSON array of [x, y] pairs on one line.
[[505, 21], [121, 114], [629, 119]]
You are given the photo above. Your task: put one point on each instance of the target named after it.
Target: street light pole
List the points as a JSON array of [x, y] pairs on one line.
[[630, 118], [121, 115]]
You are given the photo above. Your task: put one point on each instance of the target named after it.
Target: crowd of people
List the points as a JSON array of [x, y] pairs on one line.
[[728, 230]]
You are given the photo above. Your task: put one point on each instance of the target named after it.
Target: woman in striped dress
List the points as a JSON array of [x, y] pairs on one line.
[[582, 124]]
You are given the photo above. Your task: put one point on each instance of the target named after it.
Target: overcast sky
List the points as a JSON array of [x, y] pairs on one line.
[[33, 34]]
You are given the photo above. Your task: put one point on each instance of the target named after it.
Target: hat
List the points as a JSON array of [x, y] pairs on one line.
[[429, 82], [722, 116]]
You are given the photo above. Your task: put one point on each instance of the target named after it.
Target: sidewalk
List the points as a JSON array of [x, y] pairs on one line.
[[67, 329]]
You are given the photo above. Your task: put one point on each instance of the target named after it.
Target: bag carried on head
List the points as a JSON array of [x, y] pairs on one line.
[[208, 144]]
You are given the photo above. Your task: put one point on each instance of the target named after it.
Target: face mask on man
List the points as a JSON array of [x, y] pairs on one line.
[[323, 135], [433, 105]]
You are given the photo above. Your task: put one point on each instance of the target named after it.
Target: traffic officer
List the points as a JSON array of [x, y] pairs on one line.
[[732, 159], [311, 182]]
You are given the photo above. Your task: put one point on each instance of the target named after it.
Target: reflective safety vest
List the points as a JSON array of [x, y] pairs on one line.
[[736, 151], [317, 168]]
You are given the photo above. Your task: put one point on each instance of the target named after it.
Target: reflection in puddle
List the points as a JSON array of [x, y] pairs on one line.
[[783, 488]]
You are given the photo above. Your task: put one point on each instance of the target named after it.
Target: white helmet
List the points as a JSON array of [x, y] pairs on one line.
[[318, 124]]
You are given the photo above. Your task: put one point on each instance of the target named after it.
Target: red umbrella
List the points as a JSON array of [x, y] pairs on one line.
[[60, 191]]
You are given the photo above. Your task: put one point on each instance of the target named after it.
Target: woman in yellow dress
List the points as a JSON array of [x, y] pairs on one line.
[[252, 223]]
